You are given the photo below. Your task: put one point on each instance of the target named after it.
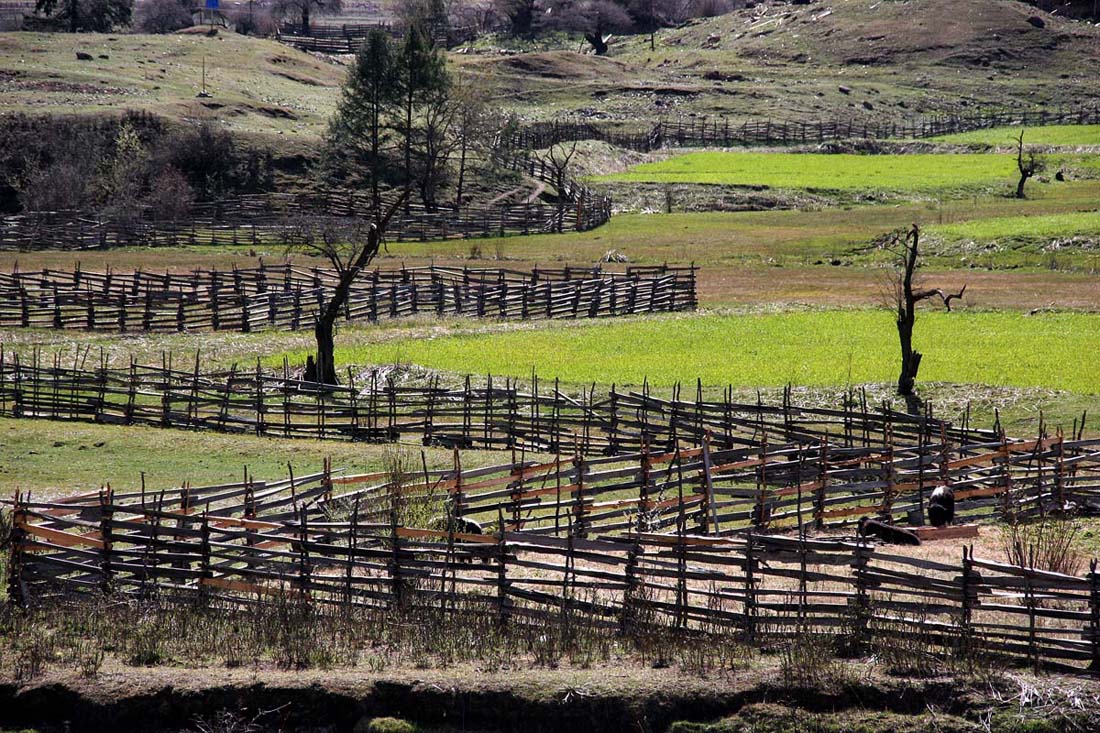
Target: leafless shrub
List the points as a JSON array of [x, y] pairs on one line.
[[170, 196], [1042, 544], [254, 21], [809, 660], [162, 16]]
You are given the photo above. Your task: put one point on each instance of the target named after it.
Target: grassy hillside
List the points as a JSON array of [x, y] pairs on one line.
[[255, 85], [844, 58]]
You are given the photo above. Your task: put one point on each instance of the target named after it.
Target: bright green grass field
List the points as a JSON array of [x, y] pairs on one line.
[[1022, 227], [818, 348], [828, 172], [1048, 135]]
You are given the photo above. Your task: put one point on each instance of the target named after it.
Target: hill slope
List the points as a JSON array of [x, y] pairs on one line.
[[831, 58], [255, 85]]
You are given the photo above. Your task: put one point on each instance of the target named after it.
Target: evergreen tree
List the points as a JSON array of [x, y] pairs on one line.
[[362, 130]]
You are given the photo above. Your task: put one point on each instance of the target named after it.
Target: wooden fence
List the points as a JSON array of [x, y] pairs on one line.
[[284, 220], [493, 415], [722, 131], [318, 539], [288, 297]]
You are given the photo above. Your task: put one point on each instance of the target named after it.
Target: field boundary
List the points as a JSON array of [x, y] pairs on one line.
[[721, 131], [494, 415], [287, 297], [300, 540]]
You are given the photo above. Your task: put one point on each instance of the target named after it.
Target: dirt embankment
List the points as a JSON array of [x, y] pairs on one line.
[[546, 701]]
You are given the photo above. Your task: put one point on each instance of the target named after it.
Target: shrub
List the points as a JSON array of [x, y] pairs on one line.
[[1043, 544], [254, 22], [163, 16], [170, 196]]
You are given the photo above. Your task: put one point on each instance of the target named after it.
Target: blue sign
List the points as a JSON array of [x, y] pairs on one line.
[[211, 4]]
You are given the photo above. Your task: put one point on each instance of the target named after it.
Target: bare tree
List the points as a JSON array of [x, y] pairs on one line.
[[472, 129], [349, 249], [1029, 165], [596, 20], [304, 9], [907, 293], [557, 160]]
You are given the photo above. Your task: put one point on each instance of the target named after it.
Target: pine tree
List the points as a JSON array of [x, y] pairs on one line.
[[362, 129], [424, 82]]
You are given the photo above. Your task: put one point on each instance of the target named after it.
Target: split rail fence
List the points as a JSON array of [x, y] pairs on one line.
[[493, 415], [284, 219], [288, 297], [320, 540], [725, 132]]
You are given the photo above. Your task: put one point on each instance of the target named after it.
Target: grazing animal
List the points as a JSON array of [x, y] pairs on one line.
[[888, 533], [467, 552], [458, 525], [941, 506]]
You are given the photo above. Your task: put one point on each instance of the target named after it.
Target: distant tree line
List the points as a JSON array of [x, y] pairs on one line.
[[122, 168]]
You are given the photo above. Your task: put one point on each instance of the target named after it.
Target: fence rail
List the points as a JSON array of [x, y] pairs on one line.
[[283, 219], [491, 415], [722, 131], [288, 297], [325, 539]]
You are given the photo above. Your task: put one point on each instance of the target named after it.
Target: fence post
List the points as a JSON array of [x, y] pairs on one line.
[[750, 588], [502, 571], [106, 514], [578, 524], [1093, 631], [16, 589], [204, 567], [969, 599], [860, 605]]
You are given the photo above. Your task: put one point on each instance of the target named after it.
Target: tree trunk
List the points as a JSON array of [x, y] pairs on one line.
[[324, 367], [461, 173], [597, 42], [910, 359], [305, 18], [1020, 186]]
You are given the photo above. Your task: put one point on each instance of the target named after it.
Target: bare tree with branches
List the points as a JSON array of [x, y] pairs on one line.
[[1029, 165], [557, 160], [349, 246], [906, 294]]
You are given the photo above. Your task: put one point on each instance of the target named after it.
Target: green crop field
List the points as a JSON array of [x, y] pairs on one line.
[[1068, 135], [925, 172], [1023, 227], [813, 348]]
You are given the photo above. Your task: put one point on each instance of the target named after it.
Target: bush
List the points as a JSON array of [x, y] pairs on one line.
[[1043, 544], [170, 196], [257, 22], [385, 725], [163, 16]]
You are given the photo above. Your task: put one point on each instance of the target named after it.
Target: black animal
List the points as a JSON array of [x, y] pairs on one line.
[[888, 533], [465, 551], [941, 506], [458, 525]]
